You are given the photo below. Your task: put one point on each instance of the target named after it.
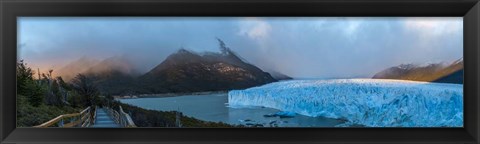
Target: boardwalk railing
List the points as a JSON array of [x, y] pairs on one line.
[[83, 119], [120, 117]]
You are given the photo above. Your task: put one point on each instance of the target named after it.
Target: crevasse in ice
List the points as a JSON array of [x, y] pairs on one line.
[[368, 102]]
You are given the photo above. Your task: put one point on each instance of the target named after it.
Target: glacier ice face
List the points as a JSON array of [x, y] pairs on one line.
[[369, 102]]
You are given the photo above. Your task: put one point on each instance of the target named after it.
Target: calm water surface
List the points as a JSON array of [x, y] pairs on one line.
[[214, 107]]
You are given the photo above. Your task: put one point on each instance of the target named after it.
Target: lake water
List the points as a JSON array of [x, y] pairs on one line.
[[214, 107]]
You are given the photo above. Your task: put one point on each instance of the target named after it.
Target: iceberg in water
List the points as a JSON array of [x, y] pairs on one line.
[[368, 102]]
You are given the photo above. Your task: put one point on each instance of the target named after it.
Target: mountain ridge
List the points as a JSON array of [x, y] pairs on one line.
[[182, 71], [439, 72]]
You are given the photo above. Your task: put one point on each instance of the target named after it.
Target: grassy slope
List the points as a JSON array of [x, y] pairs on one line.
[[28, 115]]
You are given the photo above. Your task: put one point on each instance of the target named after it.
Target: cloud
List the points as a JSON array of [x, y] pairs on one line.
[[318, 47], [432, 27], [352, 27], [254, 28], [439, 37]]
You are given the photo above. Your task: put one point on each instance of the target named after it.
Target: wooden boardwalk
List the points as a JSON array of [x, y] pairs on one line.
[[95, 117], [104, 120]]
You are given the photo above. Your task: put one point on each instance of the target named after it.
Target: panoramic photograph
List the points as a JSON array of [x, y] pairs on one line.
[[239, 72]]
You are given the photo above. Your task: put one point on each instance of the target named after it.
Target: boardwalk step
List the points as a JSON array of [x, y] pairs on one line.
[[104, 120]]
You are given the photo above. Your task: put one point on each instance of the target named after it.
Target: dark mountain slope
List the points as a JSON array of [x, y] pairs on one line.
[[280, 76], [452, 73], [456, 77]]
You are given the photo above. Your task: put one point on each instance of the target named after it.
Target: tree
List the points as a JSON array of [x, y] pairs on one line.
[[85, 88], [35, 93], [55, 93], [24, 75], [108, 100], [63, 90], [63, 84], [27, 86]]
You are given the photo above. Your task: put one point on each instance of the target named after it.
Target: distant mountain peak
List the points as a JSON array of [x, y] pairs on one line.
[[458, 61], [406, 66], [75, 67], [91, 66], [184, 51], [113, 64]]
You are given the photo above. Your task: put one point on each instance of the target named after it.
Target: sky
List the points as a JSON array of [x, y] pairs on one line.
[[301, 47]]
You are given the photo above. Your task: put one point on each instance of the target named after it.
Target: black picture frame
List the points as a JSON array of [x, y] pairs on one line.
[[11, 9]]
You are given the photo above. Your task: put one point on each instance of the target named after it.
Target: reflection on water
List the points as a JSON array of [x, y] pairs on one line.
[[214, 107]]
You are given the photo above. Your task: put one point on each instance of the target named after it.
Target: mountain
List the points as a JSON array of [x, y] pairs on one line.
[[114, 75], [279, 76], [76, 67], [186, 71], [181, 72], [450, 73], [410, 72], [113, 64]]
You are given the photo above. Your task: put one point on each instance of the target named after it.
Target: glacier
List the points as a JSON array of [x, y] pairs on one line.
[[367, 102]]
